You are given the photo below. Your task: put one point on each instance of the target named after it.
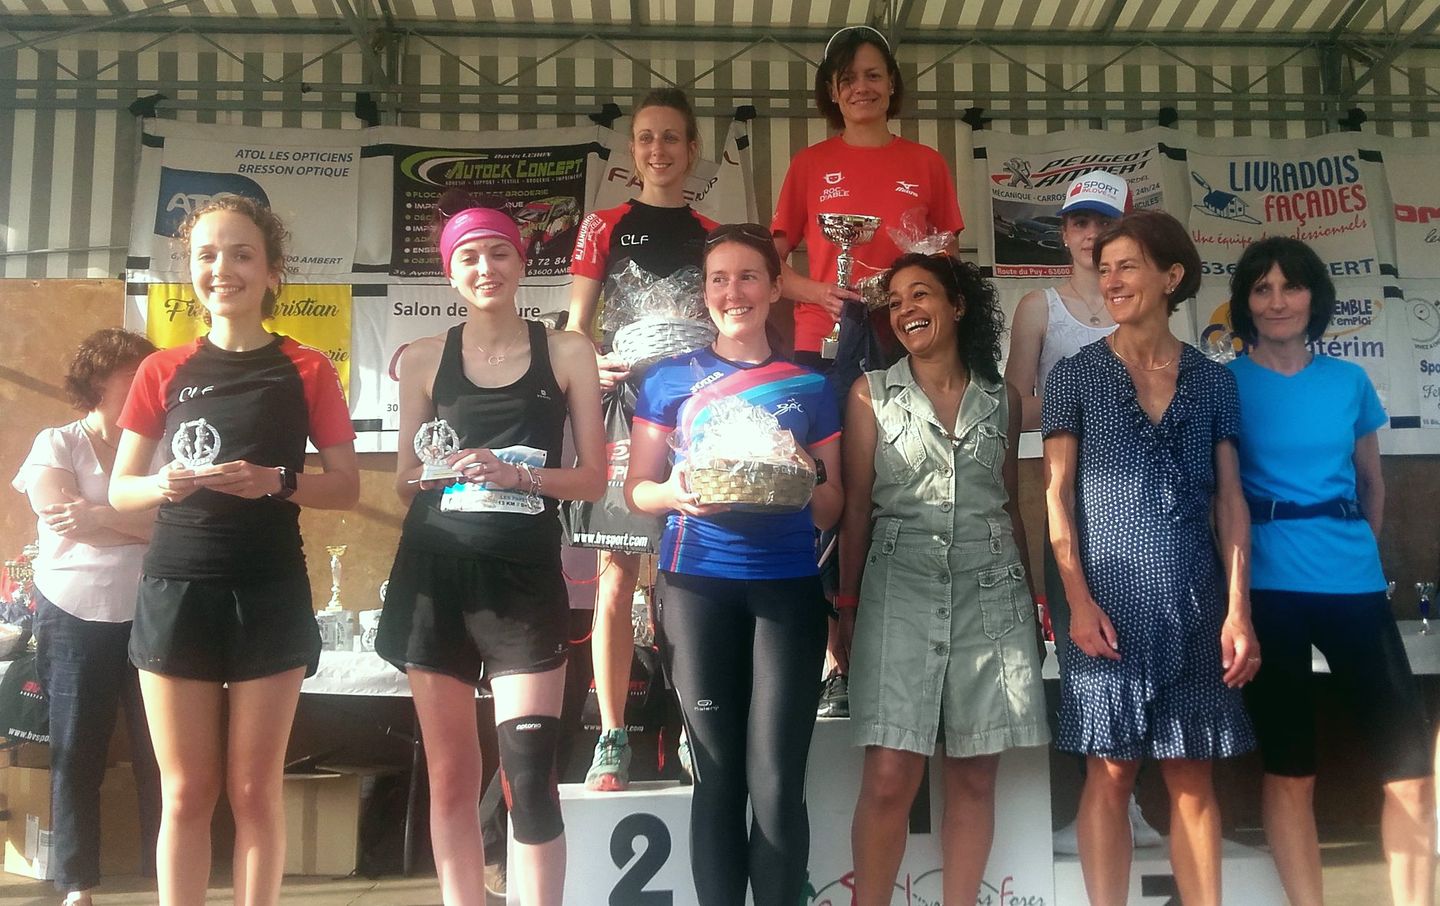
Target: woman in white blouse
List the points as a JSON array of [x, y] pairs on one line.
[[86, 577]]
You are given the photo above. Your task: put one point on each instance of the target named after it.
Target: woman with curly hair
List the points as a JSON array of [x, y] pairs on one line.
[[224, 626], [932, 574], [85, 580]]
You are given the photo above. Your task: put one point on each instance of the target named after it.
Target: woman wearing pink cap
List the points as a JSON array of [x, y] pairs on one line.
[[476, 588]]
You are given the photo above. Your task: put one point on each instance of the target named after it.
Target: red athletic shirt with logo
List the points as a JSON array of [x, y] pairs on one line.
[[835, 178], [264, 403]]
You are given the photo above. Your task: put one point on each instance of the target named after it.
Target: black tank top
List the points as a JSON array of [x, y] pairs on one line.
[[531, 412]]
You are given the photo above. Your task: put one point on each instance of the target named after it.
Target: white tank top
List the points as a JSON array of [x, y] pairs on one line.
[[1064, 336]]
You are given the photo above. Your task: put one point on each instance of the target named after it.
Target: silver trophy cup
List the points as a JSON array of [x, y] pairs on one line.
[[846, 231]]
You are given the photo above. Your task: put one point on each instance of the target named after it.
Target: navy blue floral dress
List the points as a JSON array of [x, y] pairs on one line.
[[1142, 507]]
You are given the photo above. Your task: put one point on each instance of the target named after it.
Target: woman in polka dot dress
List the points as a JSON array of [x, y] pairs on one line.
[[1140, 435]]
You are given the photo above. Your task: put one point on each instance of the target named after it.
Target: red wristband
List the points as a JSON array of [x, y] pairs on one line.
[[847, 602]]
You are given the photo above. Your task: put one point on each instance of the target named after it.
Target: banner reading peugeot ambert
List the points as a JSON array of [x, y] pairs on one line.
[[1320, 199], [1027, 190], [311, 182], [542, 188]]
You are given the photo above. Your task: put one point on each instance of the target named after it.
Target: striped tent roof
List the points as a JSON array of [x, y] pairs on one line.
[[925, 20]]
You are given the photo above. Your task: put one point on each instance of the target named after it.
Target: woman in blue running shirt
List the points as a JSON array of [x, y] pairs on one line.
[[1310, 467], [741, 607]]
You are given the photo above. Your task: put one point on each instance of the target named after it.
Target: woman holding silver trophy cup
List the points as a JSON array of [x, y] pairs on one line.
[[476, 588], [857, 201], [224, 598]]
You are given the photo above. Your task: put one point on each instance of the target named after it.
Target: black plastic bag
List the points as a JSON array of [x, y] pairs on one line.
[[607, 523], [24, 706]]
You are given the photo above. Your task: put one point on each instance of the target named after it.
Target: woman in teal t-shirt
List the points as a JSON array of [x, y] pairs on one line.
[[1310, 466]]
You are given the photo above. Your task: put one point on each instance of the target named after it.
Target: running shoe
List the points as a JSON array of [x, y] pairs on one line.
[[682, 752], [610, 768], [835, 696], [495, 879]]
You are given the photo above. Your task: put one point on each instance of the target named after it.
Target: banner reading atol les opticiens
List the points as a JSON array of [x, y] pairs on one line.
[[309, 178]]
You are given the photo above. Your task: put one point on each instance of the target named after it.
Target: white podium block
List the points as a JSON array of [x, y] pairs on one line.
[[626, 849], [1248, 878]]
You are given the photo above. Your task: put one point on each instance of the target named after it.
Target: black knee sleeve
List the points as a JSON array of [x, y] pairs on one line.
[[527, 770]]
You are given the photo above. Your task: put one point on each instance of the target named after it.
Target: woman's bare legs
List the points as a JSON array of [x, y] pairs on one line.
[[888, 783], [1194, 830], [1407, 832], [1103, 829], [446, 707], [184, 718], [969, 828], [261, 714]]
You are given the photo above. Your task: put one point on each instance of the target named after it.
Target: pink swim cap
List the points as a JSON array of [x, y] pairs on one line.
[[477, 223]]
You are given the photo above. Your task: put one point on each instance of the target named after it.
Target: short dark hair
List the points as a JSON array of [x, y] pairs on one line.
[[270, 226], [982, 322], [843, 48], [675, 99], [751, 235], [1164, 241], [1299, 263], [99, 356]]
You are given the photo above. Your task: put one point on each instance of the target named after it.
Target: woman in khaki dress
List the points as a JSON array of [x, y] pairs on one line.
[[933, 554]]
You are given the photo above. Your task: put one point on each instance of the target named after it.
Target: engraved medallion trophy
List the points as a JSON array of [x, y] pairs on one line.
[[435, 443], [196, 445], [846, 231]]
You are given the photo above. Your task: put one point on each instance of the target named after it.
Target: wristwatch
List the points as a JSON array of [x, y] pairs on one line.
[[820, 476], [288, 482]]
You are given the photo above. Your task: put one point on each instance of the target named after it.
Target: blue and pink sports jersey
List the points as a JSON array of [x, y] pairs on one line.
[[678, 392]]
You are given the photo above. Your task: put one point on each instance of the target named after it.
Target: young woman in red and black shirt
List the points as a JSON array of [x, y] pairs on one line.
[[224, 598], [662, 234]]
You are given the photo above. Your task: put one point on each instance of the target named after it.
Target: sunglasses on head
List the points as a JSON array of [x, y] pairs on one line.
[[733, 230], [866, 30]]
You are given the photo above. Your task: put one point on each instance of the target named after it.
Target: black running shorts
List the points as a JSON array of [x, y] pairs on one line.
[[224, 631], [464, 616]]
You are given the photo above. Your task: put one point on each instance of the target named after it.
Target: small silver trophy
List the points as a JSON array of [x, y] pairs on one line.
[[846, 231], [196, 444], [435, 443], [1425, 590]]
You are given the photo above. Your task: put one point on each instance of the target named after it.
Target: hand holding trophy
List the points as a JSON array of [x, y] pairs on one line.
[[846, 231]]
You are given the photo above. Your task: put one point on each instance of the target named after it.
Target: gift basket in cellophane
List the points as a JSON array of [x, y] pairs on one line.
[[653, 317], [742, 457], [913, 235]]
